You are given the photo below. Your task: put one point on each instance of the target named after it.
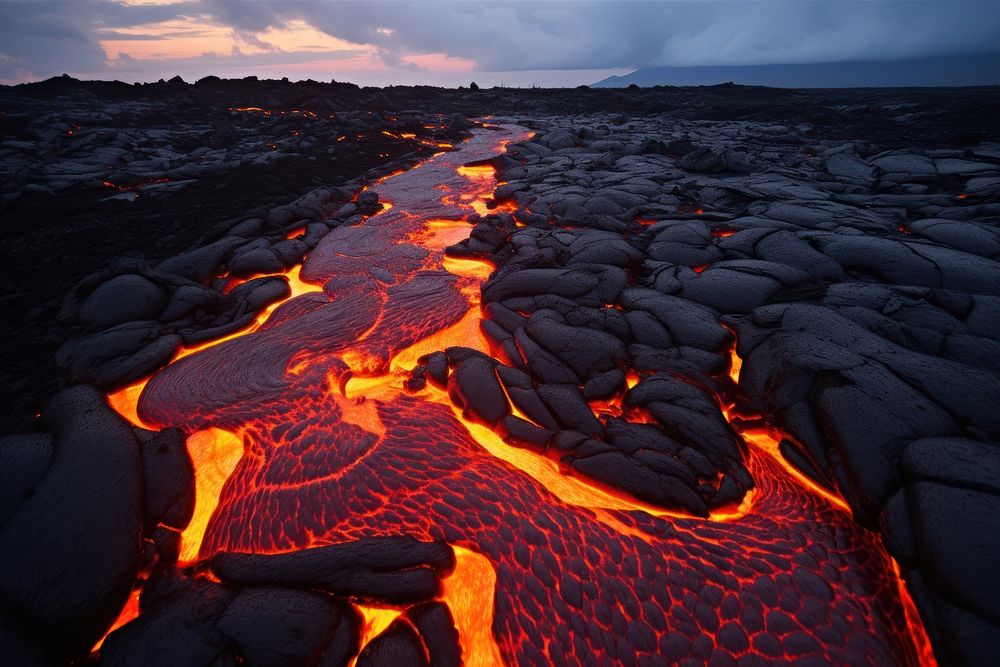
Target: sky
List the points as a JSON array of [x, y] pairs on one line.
[[380, 42]]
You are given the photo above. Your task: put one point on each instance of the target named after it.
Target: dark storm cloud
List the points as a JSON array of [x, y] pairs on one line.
[[580, 35], [42, 38]]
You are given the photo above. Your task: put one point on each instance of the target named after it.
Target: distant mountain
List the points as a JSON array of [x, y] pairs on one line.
[[961, 70]]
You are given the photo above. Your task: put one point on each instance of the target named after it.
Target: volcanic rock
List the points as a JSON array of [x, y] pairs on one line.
[[392, 570], [168, 478], [274, 626], [180, 629], [474, 387], [434, 623], [122, 299], [69, 555], [24, 459], [117, 356]]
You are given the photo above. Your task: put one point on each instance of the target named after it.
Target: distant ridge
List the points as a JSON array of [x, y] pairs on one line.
[[961, 70]]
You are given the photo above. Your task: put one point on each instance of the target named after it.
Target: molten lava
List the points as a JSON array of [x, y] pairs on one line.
[[304, 432]]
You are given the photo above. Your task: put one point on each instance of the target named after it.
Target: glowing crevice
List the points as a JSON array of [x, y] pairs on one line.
[[469, 591], [214, 453]]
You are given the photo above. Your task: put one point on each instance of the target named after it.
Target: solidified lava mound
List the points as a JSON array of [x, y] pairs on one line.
[[599, 391]]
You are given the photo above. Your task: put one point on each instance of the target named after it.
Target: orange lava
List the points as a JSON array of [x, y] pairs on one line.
[[468, 592], [479, 173], [128, 613], [735, 365], [214, 454]]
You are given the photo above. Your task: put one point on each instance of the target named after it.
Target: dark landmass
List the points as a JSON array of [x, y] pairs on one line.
[[954, 70]]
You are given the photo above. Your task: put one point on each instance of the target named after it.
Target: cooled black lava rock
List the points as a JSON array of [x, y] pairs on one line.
[[70, 552], [473, 385], [168, 478], [122, 299], [277, 627], [393, 570], [24, 459], [434, 622], [179, 629], [117, 356]]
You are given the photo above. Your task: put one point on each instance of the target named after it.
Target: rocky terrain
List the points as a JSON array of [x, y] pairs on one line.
[[697, 300]]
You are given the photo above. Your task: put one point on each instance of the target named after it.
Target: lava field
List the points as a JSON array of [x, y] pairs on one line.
[[308, 374]]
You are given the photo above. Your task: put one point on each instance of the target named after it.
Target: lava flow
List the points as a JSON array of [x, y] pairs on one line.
[[305, 433]]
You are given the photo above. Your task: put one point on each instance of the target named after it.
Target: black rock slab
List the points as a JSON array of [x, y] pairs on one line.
[[23, 462], [346, 640], [543, 364], [957, 544], [528, 401], [474, 387], [274, 627], [201, 264], [122, 299], [953, 461], [393, 570], [640, 479], [254, 295], [523, 433], [604, 385], [436, 364], [255, 261], [687, 413], [70, 554], [585, 351], [688, 323], [117, 356], [570, 409], [168, 477], [180, 629], [436, 626]]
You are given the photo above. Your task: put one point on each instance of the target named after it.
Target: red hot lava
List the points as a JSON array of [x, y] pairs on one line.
[[303, 434]]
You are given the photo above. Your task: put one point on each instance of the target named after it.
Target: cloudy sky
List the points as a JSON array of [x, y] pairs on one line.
[[559, 43]]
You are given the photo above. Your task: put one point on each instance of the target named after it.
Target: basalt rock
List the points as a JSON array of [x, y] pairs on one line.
[[123, 299], [182, 628], [274, 626], [391, 570], [71, 551]]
